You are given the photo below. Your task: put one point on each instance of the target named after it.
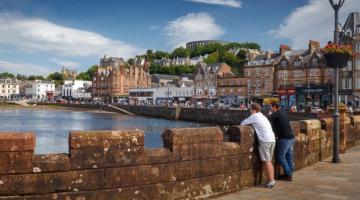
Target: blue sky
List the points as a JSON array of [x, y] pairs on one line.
[[39, 36]]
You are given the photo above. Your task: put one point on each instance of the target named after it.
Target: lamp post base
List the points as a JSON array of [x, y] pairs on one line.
[[336, 160]]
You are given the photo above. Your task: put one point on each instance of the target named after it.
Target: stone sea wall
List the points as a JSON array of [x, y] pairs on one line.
[[211, 116], [194, 163]]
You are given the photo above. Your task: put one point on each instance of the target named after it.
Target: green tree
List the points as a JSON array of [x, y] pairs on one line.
[[56, 76], [161, 54], [131, 61], [6, 75], [21, 77], [87, 76], [180, 52], [35, 77], [149, 55], [212, 58]]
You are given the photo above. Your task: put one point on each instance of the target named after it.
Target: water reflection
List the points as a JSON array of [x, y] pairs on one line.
[[52, 126]]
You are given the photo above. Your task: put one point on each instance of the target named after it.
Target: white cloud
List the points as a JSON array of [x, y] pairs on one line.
[[314, 21], [193, 26], [23, 68], [230, 3], [35, 34], [66, 63]]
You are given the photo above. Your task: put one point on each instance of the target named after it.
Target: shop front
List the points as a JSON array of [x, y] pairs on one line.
[[314, 96], [287, 97]]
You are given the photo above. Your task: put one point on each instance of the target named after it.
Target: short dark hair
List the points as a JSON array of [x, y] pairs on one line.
[[276, 105], [256, 107]]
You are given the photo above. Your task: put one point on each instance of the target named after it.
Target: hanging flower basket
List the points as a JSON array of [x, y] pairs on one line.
[[337, 56], [336, 60]]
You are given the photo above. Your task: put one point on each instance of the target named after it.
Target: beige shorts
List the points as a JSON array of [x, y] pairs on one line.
[[266, 150]]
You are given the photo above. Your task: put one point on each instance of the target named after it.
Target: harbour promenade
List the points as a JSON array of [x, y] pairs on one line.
[[323, 180]]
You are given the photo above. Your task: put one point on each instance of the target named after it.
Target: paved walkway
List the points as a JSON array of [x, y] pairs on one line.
[[322, 180]]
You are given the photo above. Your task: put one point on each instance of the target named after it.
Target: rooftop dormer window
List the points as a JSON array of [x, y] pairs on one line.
[[315, 62], [283, 63], [297, 63]]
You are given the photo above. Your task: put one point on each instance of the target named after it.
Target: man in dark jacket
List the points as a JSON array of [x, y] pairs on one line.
[[283, 131]]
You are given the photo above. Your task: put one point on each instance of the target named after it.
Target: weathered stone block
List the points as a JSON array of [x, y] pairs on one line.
[[307, 126], [17, 141], [21, 184], [210, 149], [247, 179], [157, 156], [96, 157], [182, 152], [301, 137], [312, 158], [248, 145], [296, 127], [186, 170], [105, 139], [210, 167], [153, 191], [80, 180], [237, 133], [191, 136], [51, 163], [160, 173], [230, 148], [314, 146], [125, 176], [44, 183], [16, 162]]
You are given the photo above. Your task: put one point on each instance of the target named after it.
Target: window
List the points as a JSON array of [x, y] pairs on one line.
[[297, 63], [249, 83], [357, 63], [257, 91], [299, 74], [314, 72], [283, 63], [315, 62], [231, 91], [357, 82]]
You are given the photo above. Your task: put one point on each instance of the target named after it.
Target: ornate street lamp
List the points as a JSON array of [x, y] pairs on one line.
[[336, 159]]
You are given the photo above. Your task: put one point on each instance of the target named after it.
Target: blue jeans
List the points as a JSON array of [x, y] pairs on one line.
[[284, 155]]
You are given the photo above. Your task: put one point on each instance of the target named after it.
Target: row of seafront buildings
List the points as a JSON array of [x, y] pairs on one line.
[[43, 90]]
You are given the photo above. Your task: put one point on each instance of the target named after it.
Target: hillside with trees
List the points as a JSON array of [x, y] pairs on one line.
[[216, 53]]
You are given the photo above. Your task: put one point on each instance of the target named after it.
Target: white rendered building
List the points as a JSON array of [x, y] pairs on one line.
[[76, 89], [40, 89], [8, 88], [160, 95]]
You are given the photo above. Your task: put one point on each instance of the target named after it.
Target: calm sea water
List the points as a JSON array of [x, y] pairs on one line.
[[53, 126]]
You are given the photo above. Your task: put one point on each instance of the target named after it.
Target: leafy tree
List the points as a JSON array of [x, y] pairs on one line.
[[6, 75], [131, 61], [149, 55], [56, 76], [212, 58], [174, 70], [35, 77], [21, 77], [180, 52], [87, 76], [161, 54]]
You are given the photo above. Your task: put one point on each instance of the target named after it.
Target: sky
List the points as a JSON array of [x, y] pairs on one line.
[[41, 36]]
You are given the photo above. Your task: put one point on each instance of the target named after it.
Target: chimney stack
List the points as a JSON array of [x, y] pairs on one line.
[[283, 49], [313, 46]]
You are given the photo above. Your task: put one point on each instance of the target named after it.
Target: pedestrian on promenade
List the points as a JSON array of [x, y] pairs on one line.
[[285, 140], [266, 139]]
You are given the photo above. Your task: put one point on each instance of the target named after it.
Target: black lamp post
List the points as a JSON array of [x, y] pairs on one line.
[[336, 158]]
